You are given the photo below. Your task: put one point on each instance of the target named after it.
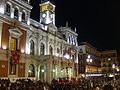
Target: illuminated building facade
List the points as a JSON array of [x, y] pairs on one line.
[[109, 58], [31, 49], [88, 60]]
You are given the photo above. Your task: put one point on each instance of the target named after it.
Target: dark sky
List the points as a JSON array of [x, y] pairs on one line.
[[97, 21]]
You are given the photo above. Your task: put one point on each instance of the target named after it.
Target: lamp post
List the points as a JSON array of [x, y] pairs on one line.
[[89, 60]]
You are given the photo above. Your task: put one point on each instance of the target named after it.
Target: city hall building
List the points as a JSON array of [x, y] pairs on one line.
[[37, 50]]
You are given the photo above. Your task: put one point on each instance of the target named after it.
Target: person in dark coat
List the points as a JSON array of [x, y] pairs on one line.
[[108, 87]]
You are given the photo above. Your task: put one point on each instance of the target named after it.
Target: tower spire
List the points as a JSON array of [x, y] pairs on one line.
[[66, 23], [75, 29]]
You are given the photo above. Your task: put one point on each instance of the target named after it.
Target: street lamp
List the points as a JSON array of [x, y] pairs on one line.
[[89, 60]]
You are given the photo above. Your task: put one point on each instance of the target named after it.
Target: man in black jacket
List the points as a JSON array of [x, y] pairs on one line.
[[108, 87]]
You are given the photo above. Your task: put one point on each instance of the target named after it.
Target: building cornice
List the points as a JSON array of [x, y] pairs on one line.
[[13, 22], [21, 3], [68, 29]]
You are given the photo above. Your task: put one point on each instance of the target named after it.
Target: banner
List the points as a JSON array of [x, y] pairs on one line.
[[15, 56]]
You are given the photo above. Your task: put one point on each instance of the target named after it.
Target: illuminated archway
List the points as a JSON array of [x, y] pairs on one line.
[[31, 71], [42, 73]]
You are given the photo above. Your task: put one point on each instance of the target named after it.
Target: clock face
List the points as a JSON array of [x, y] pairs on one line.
[[43, 15]]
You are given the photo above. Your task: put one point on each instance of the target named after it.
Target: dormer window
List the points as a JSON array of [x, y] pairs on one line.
[[8, 9], [16, 13]]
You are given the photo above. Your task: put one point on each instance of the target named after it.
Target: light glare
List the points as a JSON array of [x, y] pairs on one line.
[[4, 47]]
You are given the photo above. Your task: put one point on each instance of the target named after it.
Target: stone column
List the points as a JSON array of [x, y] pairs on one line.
[[12, 12], [20, 16], [59, 69], [1, 25], [47, 45], [28, 18]]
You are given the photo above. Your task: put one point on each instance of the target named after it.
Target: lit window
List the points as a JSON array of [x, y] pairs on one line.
[[13, 43]]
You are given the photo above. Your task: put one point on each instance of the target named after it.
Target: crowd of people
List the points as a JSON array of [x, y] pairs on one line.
[[22, 84], [60, 84]]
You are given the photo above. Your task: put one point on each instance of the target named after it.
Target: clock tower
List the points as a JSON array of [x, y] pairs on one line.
[[47, 14]]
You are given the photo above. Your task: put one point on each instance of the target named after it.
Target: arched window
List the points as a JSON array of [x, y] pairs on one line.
[[23, 16], [58, 51], [42, 73], [31, 71], [51, 50], [16, 13], [8, 9], [32, 47], [53, 72], [42, 49]]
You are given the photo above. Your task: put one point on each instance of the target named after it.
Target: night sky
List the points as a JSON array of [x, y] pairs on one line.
[[97, 21]]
